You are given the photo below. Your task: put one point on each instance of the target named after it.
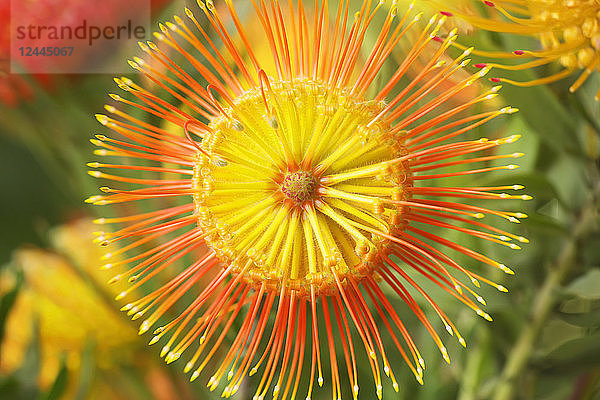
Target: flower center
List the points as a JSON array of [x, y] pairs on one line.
[[301, 189], [299, 186]]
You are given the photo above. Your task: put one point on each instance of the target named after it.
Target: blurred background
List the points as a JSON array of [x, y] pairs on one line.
[[63, 337]]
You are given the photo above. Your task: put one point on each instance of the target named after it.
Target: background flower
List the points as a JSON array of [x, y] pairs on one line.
[[567, 33], [63, 330], [544, 340]]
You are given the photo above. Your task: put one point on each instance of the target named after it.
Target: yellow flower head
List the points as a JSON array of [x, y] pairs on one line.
[[568, 31], [305, 189]]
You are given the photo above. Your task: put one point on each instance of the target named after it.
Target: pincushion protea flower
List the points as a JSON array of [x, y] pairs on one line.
[[568, 31], [308, 194]]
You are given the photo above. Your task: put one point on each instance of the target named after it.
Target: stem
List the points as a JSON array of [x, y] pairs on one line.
[[544, 303], [473, 366]]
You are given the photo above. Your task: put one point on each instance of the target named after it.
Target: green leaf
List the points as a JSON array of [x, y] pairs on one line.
[[588, 319], [589, 251], [572, 356], [551, 387], [586, 286], [30, 367], [568, 176], [22, 383], [8, 300], [86, 371], [10, 388], [59, 385]]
